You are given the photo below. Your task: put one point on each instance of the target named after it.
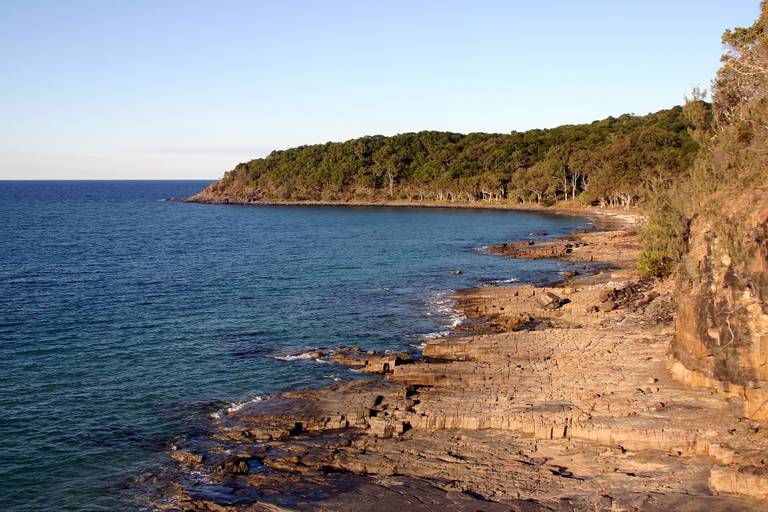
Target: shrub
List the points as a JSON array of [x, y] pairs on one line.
[[587, 198], [663, 237]]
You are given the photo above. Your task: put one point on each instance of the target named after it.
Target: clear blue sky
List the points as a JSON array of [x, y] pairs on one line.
[[134, 89]]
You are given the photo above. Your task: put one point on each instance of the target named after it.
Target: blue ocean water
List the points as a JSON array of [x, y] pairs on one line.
[[126, 320]]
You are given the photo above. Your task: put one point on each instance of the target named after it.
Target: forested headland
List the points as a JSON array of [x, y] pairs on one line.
[[681, 164], [617, 161]]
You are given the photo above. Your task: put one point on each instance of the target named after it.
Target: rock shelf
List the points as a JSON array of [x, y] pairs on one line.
[[565, 398]]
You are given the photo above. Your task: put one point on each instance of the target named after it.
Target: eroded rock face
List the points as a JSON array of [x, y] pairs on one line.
[[721, 336]]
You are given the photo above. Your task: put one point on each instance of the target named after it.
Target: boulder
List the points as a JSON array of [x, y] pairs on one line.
[[605, 307], [186, 457], [234, 465], [549, 300]]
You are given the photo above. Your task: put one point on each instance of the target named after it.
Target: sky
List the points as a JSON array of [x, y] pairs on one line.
[[187, 89]]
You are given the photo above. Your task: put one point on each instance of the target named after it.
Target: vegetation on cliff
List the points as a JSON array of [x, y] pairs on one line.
[[728, 179], [615, 161], [711, 230]]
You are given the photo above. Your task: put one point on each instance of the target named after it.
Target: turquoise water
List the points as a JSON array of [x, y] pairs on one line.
[[127, 320]]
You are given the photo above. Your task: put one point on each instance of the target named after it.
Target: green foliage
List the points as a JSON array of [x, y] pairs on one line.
[[654, 263], [728, 180], [663, 236], [613, 160], [586, 198]]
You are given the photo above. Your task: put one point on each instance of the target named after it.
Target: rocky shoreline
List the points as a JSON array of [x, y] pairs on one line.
[[550, 398], [607, 217]]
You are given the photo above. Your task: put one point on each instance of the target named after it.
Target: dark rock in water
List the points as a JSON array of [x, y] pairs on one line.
[[529, 250], [570, 273], [217, 497], [537, 233], [234, 465], [186, 457], [456, 272]]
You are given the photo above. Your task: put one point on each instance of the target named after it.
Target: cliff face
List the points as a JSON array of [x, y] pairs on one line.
[[722, 322]]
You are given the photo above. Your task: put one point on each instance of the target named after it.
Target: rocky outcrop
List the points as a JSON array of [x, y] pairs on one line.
[[566, 408], [581, 247], [721, 336]]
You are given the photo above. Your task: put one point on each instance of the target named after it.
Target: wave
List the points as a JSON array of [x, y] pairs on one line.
[[315, 355], [436, 335], [235, 406], [443, 304], [295, 357]]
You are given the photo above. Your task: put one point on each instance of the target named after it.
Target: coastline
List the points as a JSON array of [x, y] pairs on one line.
[[561, 400], [604, 218]]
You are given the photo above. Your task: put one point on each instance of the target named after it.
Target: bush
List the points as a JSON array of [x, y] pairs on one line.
[[663, 237], [587, 198], [548, 201], [654, 263]]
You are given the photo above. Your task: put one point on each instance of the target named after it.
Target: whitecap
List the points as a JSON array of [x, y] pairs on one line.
[[235, 406], [443, 304], [435, 335], [295, 357]]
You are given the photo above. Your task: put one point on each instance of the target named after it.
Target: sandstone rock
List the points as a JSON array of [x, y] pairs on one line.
[[734, 479], [722, 320], [568, 413], [370, 361], [386, 427], [549, 300], [385, 363]]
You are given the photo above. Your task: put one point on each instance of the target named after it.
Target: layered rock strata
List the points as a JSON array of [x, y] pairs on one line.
[[566, 404]]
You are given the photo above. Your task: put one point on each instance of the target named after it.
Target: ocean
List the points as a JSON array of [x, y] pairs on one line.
[[127, 320]]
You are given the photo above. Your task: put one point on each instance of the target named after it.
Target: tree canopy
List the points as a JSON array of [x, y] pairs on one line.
[[614, 161], [727, 183]]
